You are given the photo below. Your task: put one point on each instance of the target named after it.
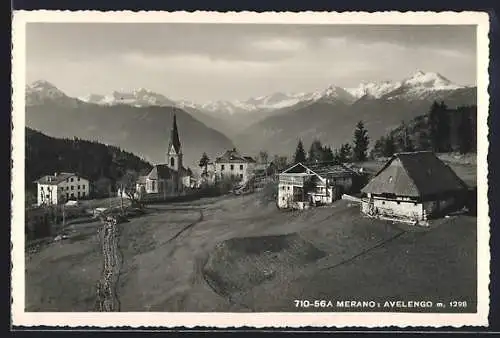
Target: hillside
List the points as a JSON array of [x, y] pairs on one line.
[[442, 129], [46, 155], [144, 131]]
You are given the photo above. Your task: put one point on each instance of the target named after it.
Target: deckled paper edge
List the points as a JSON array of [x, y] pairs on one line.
[[256, 320]]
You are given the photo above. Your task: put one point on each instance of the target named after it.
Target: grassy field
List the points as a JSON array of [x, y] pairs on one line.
[[237, 253]]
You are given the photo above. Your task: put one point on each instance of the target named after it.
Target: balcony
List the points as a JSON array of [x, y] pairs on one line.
[[292, 180]]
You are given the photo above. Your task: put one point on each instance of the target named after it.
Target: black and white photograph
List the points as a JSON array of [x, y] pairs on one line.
[[169, 169]]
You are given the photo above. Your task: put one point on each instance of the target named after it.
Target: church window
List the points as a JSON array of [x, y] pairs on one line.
[[172, 161]]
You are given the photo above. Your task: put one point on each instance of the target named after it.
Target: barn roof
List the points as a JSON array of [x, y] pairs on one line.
[[414, 174], [324, 170]]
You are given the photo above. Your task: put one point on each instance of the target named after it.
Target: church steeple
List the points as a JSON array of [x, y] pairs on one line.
[[174, 152], [174, 137]]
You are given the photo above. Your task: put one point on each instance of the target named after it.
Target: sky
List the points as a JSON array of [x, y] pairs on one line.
[[205, 62]]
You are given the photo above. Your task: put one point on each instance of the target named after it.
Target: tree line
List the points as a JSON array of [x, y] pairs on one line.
[[442, 129], [102, 164], [318, 152]]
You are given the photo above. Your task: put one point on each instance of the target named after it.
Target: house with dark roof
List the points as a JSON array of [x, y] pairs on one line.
[[234, 165], [61, 187], [170, 178], [413, 186], [303, 185]]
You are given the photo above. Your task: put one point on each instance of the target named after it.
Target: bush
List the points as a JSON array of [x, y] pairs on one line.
[[269, 193]]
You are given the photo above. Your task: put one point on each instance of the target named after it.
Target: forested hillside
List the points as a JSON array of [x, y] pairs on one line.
[[95, 161], [441, 130]]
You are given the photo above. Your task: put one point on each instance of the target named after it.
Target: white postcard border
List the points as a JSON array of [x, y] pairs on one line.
[[258, 320]]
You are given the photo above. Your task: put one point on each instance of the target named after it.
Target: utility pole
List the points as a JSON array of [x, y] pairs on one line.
[[121, 197], [63, 216]]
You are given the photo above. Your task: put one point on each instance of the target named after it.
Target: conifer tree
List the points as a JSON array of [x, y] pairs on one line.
[[465, 141], [300, 154], [361, 141], [315, 152], [389, 147]]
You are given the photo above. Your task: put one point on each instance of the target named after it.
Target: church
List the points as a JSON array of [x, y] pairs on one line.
[[171, 178]]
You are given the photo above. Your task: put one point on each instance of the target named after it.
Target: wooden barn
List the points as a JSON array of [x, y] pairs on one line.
[[413, 186]]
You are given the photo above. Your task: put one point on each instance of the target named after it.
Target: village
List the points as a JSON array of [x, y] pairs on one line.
[[410, 187], [298, 211]]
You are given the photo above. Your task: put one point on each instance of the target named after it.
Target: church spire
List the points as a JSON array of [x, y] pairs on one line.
[[174, 136]]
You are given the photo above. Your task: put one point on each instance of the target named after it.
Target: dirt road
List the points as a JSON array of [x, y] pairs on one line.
[[156, 262]]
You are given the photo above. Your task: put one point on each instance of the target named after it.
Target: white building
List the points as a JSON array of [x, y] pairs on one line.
[[413, 186], [321, 183], [233, 165], [61, 187]]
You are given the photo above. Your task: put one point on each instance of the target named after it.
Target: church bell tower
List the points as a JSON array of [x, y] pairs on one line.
[[174, 152]]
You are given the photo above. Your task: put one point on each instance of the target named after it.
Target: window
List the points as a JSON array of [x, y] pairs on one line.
[[83, 194], [72, 195], [67, 196], [71, 179], [383, 202], [222, 167], [172, 161], [241, 166], [78, 179], [72, 187], [399, 202], [232, 166], [41, 188], [287, 188], [78, 186], [415, 203], [67, 180], [78, 194], [241, 176], [67, 188]]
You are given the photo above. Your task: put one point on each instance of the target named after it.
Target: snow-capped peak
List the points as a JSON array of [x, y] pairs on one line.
[[374, 89], [430, 80], [44, 88], [42, 91], [138, 97], [333, 93]]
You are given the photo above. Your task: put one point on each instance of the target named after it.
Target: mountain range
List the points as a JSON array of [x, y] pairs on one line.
[[273, 122], [414, 87], [144, 131]]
